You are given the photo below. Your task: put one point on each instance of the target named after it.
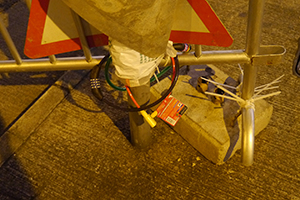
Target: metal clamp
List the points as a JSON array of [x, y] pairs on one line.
[[268, 55]]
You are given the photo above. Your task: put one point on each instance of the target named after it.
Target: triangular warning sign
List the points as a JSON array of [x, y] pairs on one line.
[[51, 29], [196, 23], [186, 19]]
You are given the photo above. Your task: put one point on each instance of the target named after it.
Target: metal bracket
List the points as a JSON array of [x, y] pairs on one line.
[[268, 55]]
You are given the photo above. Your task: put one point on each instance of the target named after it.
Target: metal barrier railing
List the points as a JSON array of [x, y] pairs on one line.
[[254, 55], [51, 64], [12, 48]]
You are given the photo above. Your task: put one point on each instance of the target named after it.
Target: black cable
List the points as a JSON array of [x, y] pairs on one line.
[[182, 47], [296, 64], [95, 84]]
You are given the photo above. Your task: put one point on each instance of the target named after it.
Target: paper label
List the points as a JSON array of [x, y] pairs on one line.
[[171, 110]]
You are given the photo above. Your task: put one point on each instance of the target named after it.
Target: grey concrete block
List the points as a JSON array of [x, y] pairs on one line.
[[207, 127]]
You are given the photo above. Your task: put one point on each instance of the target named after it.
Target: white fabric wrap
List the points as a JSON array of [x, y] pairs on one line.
[[132, 66]]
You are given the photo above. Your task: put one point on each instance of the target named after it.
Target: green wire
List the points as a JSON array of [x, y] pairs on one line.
[[124, 89], [107, 78], [160, 74]]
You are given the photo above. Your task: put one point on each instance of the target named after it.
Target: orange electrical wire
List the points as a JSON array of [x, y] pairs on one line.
[[131, 96], [174, 71]]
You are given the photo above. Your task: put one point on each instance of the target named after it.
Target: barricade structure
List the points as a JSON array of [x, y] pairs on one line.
[[253, 55]]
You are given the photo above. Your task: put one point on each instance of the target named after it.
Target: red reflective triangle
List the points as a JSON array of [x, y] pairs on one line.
[[217, 36], [33, 44]]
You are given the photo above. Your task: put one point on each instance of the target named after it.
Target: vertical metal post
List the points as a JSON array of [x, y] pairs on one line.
[[12, 48], [140, 130], [248, 136], [80, 30], [52, 59], [255, 15], [198, 50]]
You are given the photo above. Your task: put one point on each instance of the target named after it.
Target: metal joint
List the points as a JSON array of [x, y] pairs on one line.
[[268, 55]]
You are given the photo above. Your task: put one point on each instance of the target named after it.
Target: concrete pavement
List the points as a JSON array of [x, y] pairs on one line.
[[78, 147]]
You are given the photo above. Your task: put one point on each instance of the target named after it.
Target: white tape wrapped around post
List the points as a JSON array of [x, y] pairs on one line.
[[132, 67], [135, 70]]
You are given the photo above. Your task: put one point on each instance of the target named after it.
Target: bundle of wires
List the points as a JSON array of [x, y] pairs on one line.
[[109, 60], [184, 48], [96, 87]]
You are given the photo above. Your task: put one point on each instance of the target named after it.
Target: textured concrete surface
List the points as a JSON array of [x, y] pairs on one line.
[[18, 90], [19, 132], [80, 149]]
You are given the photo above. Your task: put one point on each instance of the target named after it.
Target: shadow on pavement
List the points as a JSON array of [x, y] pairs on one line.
[[17, 18], [21, 91], [119, 118], [2, 127], [29, 78], [14, 182], [7, 4]]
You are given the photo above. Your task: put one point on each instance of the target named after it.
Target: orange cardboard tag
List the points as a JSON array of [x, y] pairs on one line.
[[171, 110]]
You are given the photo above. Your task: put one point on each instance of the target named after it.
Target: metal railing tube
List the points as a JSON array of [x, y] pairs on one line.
[[211, 57], [198, 50], [254, 26], [61, 64], [252, 44], [12, 48], [52, 58], [84, 44], [248, 136]]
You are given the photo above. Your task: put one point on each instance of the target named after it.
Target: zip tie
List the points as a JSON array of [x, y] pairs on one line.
[[224, 96], [242, 71], [249, 104], [266, 96], [156, 77], [229, 86], [261, 86], [157, 69], [267, 86], [166, 58], [270, 88], [225, 90]]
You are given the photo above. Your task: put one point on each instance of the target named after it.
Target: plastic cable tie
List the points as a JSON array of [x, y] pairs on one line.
[[249, 104]]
